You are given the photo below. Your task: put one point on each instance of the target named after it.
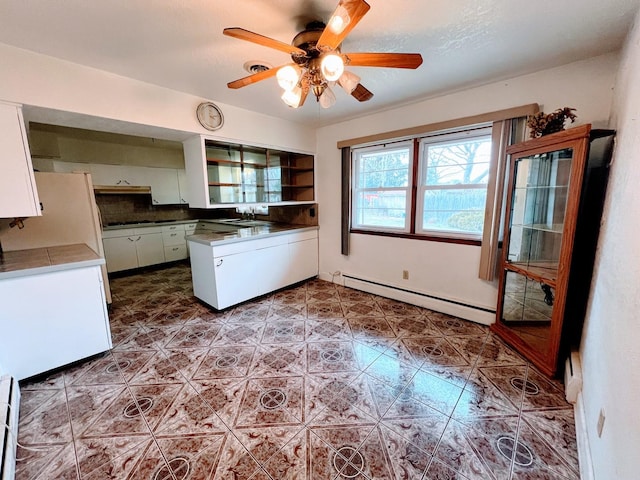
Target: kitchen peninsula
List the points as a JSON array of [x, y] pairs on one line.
[[235, 260]]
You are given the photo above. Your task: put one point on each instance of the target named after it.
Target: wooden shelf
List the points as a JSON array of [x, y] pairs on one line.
[[216, 184], [542, 272], [227, 162]]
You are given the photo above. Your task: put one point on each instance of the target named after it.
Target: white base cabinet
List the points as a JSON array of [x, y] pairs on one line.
[[232, 273], [51, 319], [132, 248]]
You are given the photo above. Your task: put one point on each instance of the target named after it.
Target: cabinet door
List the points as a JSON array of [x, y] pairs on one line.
[[303, 260], [164, 185], [273, 265], [120, 253], [150, 249], [236, 278], [67, 323], [182, 186], [18, 193]]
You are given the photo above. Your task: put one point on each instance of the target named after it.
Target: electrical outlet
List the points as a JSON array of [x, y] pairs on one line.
[[405, 274], [600, 425]]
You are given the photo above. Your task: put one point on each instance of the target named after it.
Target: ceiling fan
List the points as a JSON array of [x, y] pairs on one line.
[[318, 62]]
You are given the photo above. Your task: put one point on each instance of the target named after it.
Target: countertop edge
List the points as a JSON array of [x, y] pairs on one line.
[[200, 238], [26, 272]]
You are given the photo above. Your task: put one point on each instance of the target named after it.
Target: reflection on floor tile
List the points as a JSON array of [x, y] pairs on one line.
[[317, 382]]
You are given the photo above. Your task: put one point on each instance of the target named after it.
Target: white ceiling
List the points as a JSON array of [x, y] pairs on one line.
[[180, 45]]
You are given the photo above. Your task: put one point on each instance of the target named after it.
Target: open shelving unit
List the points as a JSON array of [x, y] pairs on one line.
[[239, 174]]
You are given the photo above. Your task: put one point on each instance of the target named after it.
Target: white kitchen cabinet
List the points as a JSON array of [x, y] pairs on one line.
[[175, 245], [68, 321], [120, 253], [132, 248], [118, 175], [150, 249], [182, 186], [164, 185], [18, 193], [230, 273], [303, 256]]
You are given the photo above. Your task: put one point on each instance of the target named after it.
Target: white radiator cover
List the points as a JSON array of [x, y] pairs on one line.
[[9, 412]]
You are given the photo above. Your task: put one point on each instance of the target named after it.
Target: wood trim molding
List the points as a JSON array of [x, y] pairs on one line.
[[521, 111]]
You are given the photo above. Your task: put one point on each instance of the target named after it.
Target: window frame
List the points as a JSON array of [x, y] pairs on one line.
[[413, 209], [356, 153], [474, 132]]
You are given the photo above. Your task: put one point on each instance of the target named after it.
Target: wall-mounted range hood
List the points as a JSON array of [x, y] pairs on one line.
[[121, 189]]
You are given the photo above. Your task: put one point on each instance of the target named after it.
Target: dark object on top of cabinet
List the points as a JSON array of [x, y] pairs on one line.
[[554, 206]]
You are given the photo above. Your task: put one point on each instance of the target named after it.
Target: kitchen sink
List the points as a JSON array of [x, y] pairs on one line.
[[244, 223]]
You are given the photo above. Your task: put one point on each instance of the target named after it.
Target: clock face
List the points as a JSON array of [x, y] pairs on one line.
[[210, 116]]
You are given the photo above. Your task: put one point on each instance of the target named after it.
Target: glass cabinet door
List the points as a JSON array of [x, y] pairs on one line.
[[540, 193], [538, 210]]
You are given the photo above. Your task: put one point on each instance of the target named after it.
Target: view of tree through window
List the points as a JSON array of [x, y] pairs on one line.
[[453, 189]]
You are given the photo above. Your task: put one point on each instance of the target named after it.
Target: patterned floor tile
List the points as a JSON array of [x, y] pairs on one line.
[[314, 382], [225, 362], [272, 402]]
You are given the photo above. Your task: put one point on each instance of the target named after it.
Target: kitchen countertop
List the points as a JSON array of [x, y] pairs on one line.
[[122, 226], [20, 263], [242, 234]]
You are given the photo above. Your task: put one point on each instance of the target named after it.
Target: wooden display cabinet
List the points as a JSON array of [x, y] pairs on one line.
[[554, 204]]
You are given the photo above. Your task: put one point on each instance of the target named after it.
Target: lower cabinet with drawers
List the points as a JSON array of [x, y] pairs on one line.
[[128, 248]]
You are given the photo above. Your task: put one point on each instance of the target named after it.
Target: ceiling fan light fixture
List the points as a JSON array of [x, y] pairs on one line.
[[288, 76], [332, 66], [328, 98], [348, 81], [339, 21], [292, 97]]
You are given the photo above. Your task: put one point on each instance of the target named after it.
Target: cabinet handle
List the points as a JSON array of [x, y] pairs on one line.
[[131, 239], [173, 234], [139, 237], [183, 200], [118, 182], [126, 182], [172, 228], [155, 201], [174, 248], [218, 264]]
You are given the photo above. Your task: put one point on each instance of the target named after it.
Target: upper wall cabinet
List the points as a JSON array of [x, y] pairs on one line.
[[18, 194], [220, 174], [167, 186]]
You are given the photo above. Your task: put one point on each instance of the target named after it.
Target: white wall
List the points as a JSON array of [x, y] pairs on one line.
[[611, 338], [97, 96], [441, 269]]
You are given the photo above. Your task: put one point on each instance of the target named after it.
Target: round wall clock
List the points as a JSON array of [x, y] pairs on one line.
[[210, 116]]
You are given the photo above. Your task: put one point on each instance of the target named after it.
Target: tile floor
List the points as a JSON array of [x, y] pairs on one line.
[[315, 382]]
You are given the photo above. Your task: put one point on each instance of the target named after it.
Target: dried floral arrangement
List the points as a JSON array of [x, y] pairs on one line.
[[544, 124]]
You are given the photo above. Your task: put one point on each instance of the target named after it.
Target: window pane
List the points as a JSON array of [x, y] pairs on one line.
[[384, 169], [380, 208], [458, 210], [454, 163]]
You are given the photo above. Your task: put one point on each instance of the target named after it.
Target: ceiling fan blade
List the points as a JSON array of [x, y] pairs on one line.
[[256, 77], [392, 60], [344, 18], [361, 94], [243, 34]]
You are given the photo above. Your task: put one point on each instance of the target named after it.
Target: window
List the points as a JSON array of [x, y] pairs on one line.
[[454, 172], [448, 193], [382, 187]]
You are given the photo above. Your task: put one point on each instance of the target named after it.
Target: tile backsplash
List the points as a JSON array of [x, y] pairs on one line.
[[117, 208]]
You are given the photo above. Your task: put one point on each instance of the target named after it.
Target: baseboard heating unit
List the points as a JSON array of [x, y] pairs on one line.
[[449, 306], [9, 409]]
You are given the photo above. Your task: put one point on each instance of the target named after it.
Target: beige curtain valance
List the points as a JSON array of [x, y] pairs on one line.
[[498, 115]]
